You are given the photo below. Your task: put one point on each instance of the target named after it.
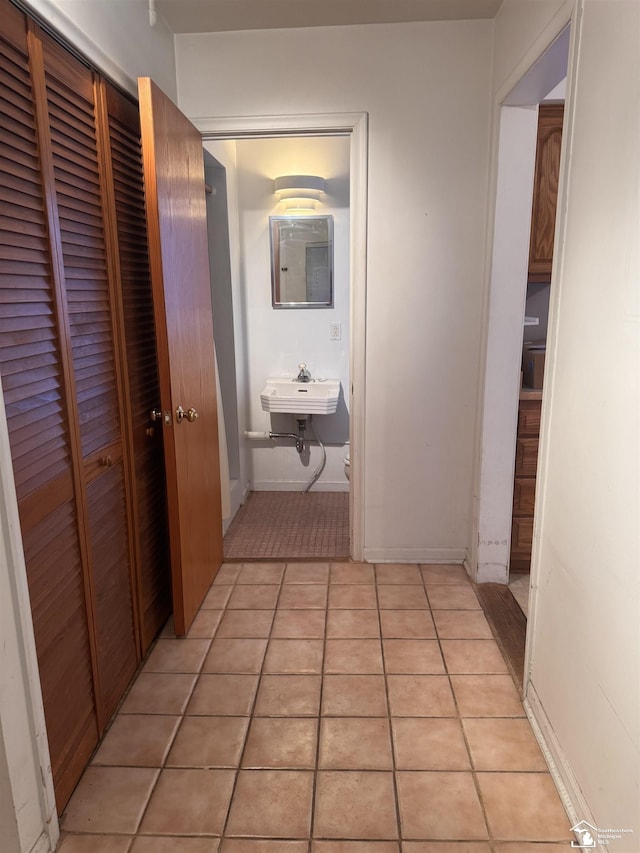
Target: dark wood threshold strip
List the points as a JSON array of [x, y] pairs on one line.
[[508, 623]]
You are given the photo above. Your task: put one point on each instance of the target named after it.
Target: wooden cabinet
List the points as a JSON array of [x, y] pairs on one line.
[[524, 487], [545, 191]]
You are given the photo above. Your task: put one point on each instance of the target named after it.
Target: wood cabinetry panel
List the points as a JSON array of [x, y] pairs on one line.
[[526, 457], [524, 495], [545, 191], [522, 535], [529, 418]]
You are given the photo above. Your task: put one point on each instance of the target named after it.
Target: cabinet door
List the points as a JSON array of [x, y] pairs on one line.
[[526, 457], [545, 192]]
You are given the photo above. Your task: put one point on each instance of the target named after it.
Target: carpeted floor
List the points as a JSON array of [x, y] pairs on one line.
[[290, 525]]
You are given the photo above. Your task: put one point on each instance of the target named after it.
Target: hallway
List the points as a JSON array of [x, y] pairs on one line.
[[322, 708]]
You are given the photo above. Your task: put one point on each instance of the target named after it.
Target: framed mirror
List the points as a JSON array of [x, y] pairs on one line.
[[301, 261]]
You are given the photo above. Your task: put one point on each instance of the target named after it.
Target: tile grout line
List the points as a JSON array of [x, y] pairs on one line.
[[253, 706], [320, 717]]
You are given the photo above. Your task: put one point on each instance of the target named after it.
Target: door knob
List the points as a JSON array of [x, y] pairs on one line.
[[155, 414], [190, 415]]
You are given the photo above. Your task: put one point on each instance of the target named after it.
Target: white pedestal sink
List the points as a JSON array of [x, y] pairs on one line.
[[318, 397]]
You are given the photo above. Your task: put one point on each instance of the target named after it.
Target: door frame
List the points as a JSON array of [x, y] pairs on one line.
[[356, 127]]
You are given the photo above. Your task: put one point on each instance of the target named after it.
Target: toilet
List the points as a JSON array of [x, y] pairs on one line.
[[347, 463]]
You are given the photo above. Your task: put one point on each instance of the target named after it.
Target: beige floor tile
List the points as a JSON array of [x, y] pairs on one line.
[[284, 743], [398, 573], [209, 742], [354, 696], [246, 623], [205, 624], [217, 597], [355, 847], [109, 800], [227, 573], [177, 656], [462, 625], [307, 573], [443, 573], [409, 624], [261, 573], [487, 696], [402, 597], [523, 807], [353, 656], [473, 657], [446, 847], [426, 743], [303, 657], [499, 744], [94, 844], [159, 693], [289, 696], [249, 845], [352, 596], [353, 624], [272, 804], [453, 811], [452, 597], [299, 624], [351, 573], [189, 802], [250, 596], [239, 656], [223, 695], [355, 805], [355, 743], [137, 740], [174, 844], [303, 596], [420, 696], [412, 657]]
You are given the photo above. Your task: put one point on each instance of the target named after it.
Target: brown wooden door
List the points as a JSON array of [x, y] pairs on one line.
[[179, 260], [545, 191]]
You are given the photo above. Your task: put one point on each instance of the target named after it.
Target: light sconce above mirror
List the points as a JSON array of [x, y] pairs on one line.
[[299, 193]]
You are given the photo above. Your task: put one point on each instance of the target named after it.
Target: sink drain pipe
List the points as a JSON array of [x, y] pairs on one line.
[[300, 444]]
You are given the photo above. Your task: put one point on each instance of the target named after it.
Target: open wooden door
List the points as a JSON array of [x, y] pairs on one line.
[[179, 260]]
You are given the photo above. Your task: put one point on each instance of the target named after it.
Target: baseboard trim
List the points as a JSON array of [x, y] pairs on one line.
[[569, 790], [414, 555]]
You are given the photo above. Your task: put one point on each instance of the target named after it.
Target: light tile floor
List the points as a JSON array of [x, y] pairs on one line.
[[322, 708]]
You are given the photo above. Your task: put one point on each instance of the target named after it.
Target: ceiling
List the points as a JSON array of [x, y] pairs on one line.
[[206, 16]]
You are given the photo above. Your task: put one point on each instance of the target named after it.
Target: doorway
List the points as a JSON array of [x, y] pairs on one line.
[[327, 523]]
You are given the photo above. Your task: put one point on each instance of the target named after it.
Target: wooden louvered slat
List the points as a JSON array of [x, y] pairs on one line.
[[58, 607], [26, 303], [114, 617], [144, 392], [74, 144]]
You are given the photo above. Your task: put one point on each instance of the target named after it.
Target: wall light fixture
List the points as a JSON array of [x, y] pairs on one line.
[[299, 192]]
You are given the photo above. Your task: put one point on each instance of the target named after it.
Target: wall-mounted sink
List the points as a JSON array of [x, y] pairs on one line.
[[282, 394]]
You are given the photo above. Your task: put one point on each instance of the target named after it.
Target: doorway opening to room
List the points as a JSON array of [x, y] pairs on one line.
[[297, 495], [528, 173]]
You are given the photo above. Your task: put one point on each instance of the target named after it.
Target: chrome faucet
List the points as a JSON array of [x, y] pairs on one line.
[[304, 375]]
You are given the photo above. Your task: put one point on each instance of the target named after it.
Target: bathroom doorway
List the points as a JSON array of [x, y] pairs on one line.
[[269, 516]]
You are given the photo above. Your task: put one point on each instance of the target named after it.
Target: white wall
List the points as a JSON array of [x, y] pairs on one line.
[[426, 88], [116, 36], [583, 642], [277, 340]]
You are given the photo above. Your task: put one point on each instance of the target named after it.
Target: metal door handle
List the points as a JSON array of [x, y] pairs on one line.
[[190, 415], [155, 415]]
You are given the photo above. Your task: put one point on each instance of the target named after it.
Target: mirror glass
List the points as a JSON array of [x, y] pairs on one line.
[[301, 261]]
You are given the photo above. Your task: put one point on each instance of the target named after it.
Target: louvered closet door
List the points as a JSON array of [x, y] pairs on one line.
[[36, 405], [72, 125], [144, 390]]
